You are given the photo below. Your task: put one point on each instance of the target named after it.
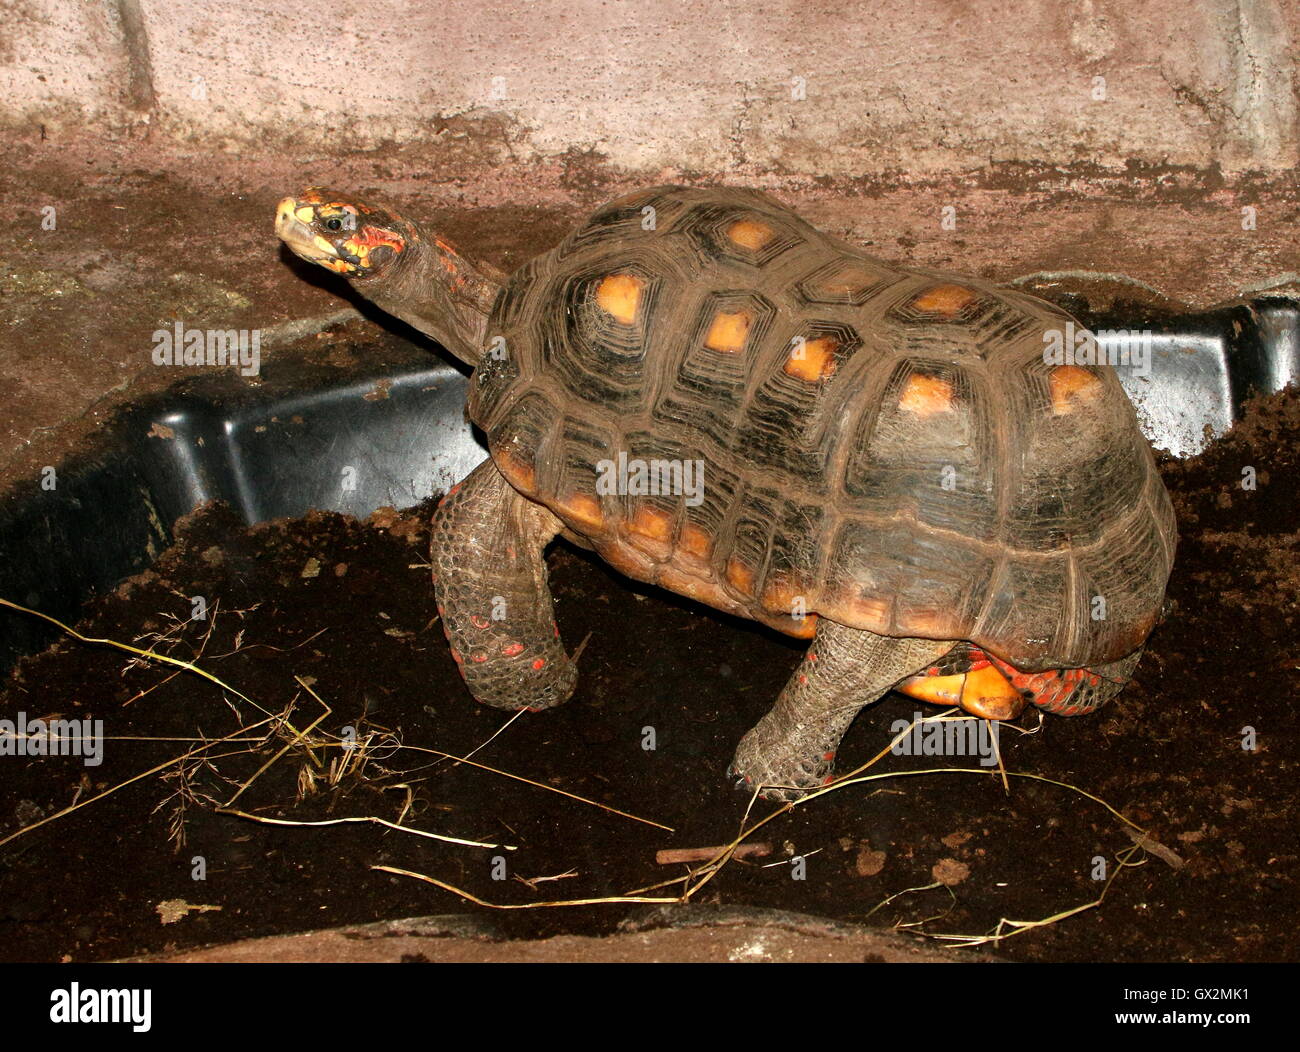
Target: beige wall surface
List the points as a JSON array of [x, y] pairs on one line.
[[800, 87]]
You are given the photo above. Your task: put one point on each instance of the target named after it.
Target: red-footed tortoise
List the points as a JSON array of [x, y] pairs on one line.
[[721, 400]]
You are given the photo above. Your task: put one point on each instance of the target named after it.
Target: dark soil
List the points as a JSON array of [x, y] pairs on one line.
[[346, 606]]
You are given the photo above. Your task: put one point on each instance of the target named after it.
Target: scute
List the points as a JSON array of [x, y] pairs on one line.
[[915, 469]]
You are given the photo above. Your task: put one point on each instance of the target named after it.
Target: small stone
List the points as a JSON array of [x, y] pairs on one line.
[[868, 863], [950, 872]]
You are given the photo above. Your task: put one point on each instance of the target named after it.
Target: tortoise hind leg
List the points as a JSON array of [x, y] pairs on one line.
[[792, 748], [493, 597]]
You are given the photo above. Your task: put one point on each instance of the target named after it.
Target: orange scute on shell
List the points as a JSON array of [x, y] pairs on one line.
[[925, 395], [812, 360], [695, 542], [651, 522], [741, 576], [584, 509], [750, 234], [518, 473], [619, 295], [1070, 383], [729, 331], [946, 300]]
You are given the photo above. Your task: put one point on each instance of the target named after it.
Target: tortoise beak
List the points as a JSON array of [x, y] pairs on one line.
[[292, 228]]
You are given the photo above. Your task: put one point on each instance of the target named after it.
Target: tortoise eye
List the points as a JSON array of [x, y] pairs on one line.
[[334, 223]]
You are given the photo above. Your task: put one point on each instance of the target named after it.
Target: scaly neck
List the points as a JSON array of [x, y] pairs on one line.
[[435, 289]]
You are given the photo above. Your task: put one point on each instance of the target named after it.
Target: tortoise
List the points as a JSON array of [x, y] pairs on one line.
[[722, 400]]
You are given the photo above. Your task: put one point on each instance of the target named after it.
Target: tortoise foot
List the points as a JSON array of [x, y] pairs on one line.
[[784, 776]]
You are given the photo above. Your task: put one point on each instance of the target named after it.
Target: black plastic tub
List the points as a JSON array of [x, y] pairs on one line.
[[393, 432]]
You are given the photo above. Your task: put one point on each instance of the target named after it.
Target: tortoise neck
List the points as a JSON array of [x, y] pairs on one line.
[[435, 289]]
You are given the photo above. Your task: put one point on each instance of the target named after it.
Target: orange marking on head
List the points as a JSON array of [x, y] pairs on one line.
[[619, 295], [740, 575], [371, 237], [584, 509], [729, 331], [652, 522], [750, 234], [1071, 384], [946, 300], [812, 360], [925, 395]]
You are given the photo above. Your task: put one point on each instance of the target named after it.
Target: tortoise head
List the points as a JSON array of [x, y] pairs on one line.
[[341, 233]]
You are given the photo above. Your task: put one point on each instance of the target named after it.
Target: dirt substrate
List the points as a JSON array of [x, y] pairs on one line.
[[346, 608]]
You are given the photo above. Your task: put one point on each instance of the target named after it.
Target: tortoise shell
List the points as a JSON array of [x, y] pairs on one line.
[[880, 445]]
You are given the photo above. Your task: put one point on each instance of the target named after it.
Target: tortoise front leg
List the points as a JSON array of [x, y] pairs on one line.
[[793, 747], [493, 597]]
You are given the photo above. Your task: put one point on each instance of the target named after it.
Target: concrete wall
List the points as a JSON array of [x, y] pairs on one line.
[[709, 85]]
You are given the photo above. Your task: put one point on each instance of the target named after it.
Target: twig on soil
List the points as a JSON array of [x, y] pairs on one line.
[[188, 754], [1148, 843], [352, 820], [297, 737], [1006, 927], [179, 761], [672, 855], [538, 785], [165, 659], [521, 905], [906, 891], [532, 882], [698, 878]]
